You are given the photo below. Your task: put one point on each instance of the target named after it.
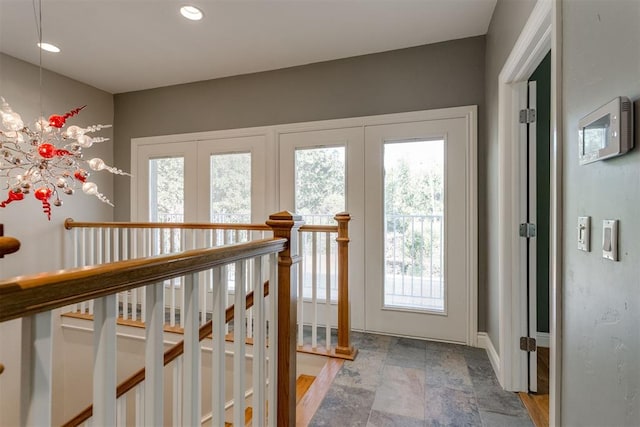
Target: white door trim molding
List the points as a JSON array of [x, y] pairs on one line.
[[541, 33], [273, 133]]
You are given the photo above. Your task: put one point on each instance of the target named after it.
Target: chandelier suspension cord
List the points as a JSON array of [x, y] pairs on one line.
[[38, 17]]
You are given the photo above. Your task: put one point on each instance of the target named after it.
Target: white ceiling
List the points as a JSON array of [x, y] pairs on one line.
[[127, 45]]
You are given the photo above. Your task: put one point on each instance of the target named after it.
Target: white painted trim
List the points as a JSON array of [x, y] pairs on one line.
[[413, 116], [484, 341], [556, 214], [543, 339], [472, 228], [543, 31], [532, 44]]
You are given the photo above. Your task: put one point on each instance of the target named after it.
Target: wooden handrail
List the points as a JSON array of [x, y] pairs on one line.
[[70, 223], [169, 356], [23, 296]]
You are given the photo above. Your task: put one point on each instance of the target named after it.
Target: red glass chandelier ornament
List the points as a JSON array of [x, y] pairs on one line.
[[48, 160]]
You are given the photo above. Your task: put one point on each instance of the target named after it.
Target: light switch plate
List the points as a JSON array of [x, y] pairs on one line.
[[610, 239], [584, 233]]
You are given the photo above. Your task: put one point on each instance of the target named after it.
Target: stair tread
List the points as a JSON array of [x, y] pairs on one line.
[[302, 386]]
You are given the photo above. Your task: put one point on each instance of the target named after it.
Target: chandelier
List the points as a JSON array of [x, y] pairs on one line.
[[46, 159]]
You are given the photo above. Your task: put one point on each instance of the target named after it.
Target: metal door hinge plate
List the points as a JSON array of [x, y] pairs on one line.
[[527, 115], [527, 344], [527, 230]]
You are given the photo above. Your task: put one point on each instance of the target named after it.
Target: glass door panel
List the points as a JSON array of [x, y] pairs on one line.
[[166, 189], [319, 195], [416, 197], [230, 188], [414, 225], [319, 183]]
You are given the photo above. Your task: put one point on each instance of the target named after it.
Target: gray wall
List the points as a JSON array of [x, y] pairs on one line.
[[42, 240], [507, 22], [601, 309]]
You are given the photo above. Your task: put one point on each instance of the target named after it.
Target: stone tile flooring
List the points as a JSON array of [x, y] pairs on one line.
[[403, 382]]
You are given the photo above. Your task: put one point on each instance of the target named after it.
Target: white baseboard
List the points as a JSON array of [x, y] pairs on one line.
[[543, 339], [485, 342]]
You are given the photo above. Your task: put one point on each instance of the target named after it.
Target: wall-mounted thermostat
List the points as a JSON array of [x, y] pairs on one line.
[[606, 132]]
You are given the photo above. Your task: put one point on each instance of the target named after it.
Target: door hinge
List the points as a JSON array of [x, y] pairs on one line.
[[527, 230], [527, 344], [527, 115]]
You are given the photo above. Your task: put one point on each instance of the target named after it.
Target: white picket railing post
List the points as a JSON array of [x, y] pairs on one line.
[[37, 352], [154, 352], [191, 412], [104, 365]]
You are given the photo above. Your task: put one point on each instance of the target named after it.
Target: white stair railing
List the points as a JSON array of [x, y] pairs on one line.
[[34, 297], [321, 309]]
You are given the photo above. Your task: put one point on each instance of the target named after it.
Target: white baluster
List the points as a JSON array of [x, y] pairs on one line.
[[172, 284], [177, 392], [154, 352], [91, 260], [314, 291], [191, 382], [183, 247], [239, 345], [104, 365], [327, 286], [140, 404], [301, 268], [135, 253], [125, 256], [218, 397], [259, 343], [250, 266], [272, 331], [121, 411]]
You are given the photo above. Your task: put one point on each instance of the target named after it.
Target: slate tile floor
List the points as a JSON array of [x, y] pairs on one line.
[[403, 382]]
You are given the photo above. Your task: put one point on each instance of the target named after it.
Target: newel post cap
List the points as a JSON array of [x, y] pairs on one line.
[[284, 216]]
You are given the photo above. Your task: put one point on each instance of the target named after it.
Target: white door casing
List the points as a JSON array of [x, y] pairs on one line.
[[452, 323], [533, 241]]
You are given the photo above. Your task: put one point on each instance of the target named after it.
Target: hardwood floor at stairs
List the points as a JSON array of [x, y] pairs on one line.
[[538, 403], [313, 397]]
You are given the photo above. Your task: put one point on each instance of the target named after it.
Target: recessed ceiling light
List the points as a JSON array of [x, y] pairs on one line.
[[49, 47], [191, 12]]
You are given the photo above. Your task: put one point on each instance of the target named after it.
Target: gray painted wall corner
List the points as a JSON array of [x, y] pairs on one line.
[[509, 17], [601, 310]]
